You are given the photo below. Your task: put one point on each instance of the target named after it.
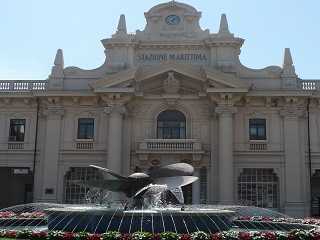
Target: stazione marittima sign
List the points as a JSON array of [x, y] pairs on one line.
[[177, 57]]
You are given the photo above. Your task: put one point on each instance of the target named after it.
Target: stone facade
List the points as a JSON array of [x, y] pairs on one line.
[[172, 65]]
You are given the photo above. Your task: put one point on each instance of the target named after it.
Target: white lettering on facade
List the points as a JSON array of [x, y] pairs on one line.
[[163, 57]]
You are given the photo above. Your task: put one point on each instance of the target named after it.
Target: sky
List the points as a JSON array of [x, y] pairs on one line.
[[31, 31]]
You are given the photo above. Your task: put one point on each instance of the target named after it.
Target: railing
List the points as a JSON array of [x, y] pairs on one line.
[[15, 145], [23, 85], [84, 145], [258, 146], [310, 85], [170, 145]]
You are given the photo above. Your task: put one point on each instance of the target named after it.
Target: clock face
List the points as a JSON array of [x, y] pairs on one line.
[[173, 20]]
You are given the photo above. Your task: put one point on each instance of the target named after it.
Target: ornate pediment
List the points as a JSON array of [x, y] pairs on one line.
[[170, 79]]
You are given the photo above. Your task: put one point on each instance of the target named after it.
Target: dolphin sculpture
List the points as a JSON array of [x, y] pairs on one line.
[[171, 177]]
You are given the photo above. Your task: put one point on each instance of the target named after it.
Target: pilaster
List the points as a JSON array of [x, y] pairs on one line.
[[294, 162], [226, 168], [114, 145], [53, 116]]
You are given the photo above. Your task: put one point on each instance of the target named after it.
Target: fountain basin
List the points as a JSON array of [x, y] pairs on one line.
[[101, 219]]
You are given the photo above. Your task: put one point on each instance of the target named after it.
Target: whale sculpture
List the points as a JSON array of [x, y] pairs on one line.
[[148, 189]]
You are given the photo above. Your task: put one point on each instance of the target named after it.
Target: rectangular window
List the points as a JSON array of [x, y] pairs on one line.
[[85, 128], [257, 129], [17, 130]]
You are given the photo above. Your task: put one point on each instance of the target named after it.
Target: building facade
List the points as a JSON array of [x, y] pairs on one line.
[[169, 93]]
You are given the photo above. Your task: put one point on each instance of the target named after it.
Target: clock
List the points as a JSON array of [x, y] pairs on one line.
[[173, 20]]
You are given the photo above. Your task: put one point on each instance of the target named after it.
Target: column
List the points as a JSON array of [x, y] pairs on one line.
[[196, 187], [114, 147], [226, 173], [294, 163], [49, 190]]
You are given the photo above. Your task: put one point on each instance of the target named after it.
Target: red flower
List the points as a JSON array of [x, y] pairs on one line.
[[7, 214], [244, 236], [94, 237], [126, 236], [11, 234], [269, 235], [316, 236], [68, 236], [216, 236], [156, 236], [40, 235], [185, 237]]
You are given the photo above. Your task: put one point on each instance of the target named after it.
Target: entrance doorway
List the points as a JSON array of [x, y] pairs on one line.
[[187, 194], [16, 186], [315, 193]]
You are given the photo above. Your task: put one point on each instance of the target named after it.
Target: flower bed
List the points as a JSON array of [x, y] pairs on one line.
[[307, 221], [227, 235], [13, 219], [10, 214]]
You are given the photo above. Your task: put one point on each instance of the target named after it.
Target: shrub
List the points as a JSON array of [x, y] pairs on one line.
[[169, 236], [112, 235], [24, 234], [141, 236], [55, 235], [199, 236]]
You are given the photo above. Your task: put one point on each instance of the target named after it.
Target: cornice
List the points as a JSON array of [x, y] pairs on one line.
[[224, 42]]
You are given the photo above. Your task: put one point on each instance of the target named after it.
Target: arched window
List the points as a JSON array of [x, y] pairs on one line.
[[171, 124], [75, 180], [258, 187]]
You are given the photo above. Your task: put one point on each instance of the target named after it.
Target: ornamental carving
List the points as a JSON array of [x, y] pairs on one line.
[[171, 84]]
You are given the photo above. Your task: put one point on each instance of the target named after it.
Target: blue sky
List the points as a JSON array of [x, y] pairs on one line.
[[32, 30]]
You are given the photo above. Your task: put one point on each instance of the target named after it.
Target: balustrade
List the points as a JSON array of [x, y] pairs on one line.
[[170, 145], [22, 86]]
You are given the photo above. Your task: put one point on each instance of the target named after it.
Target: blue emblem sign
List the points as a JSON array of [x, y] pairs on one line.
[[173, 20]]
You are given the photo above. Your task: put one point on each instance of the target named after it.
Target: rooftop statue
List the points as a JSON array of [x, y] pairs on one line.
[[158, 187]]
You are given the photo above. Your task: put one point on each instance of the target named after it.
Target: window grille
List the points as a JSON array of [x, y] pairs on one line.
[[75, 183], [258, 187], [203, 185]]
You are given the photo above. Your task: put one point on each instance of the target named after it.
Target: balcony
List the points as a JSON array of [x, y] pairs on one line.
[[170, 146], [258, 147], [22, 85]]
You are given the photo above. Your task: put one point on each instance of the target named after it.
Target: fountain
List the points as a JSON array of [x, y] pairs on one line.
[[155, 204]]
